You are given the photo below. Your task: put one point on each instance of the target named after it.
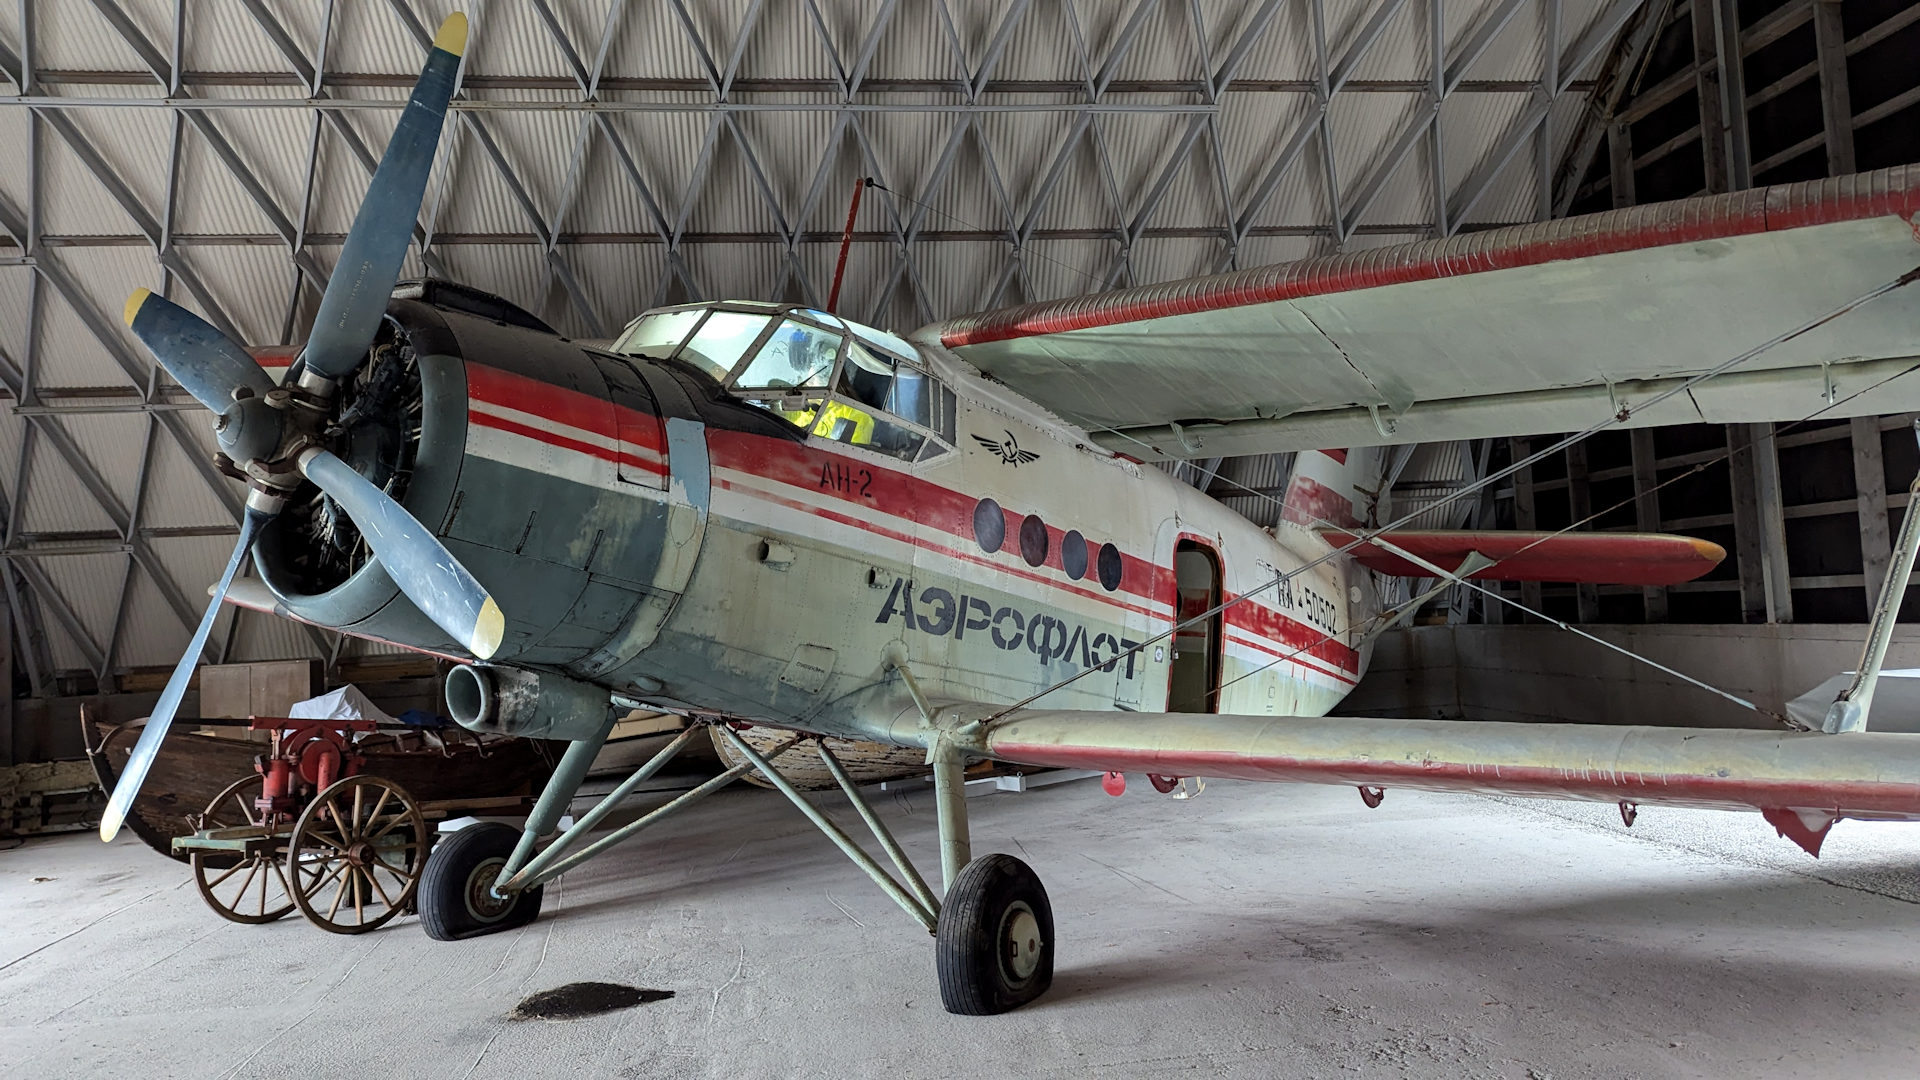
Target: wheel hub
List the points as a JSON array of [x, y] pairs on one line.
[[482, 901], [1020, 944]]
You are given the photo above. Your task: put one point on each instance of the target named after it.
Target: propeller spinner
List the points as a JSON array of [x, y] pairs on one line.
[[272, 432]]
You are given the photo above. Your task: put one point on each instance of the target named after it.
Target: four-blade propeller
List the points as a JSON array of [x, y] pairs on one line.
[[270, 432]]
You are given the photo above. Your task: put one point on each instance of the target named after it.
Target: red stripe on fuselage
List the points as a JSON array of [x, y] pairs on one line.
[[885, 493], [551, 438], [564, 406]]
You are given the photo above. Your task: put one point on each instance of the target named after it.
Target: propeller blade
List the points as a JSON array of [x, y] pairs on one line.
[[144, 751], [413, 557], [375, 248], [205, 362]]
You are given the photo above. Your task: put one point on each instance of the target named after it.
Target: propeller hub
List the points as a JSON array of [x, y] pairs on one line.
[[250, 429]]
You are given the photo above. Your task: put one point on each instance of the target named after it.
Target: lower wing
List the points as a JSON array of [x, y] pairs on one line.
[[1804, 779]]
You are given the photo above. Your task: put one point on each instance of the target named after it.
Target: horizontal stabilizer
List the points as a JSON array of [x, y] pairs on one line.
[[1867, 774], [1596, 558]]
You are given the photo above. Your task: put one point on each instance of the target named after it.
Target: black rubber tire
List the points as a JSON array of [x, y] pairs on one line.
[[454, 868], [976, 978]]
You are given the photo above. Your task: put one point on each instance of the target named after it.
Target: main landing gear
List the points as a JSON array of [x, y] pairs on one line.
[[993, 931]]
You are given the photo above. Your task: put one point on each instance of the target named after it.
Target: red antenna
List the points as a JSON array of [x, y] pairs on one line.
[[846, 241]]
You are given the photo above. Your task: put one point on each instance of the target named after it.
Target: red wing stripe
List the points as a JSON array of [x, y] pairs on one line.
[[1893, 191]]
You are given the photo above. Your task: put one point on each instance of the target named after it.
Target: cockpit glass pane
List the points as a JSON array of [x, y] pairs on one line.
[[910, 398], [658, 335], [722, 340], [867, 376], [795, 356]]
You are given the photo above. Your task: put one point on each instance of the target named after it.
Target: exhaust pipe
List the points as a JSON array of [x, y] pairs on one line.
[[530, 704]]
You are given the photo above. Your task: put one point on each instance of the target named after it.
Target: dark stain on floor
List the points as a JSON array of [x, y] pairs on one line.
[[575, 1000]]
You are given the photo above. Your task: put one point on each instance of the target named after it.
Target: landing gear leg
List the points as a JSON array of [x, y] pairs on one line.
[[993, 948], [993, 934]]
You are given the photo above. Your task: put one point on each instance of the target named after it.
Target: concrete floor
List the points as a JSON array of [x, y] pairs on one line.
[[1256, 931]]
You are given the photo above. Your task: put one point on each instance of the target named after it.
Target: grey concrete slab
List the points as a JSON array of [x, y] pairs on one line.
[[1255, 931]]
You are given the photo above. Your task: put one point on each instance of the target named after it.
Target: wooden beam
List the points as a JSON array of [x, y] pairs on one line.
[[1620, 163], [1836, 101], [1523, 514], [1870, 487], [1773, 523], [1646, 513], [1580, 500], [1746, 525], [1706, 86]]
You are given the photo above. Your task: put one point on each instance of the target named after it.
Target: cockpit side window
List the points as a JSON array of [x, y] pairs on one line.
[[658, 335]]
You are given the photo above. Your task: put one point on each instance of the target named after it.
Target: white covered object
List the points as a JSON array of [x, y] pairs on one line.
[[346, 703], [1896, 701]]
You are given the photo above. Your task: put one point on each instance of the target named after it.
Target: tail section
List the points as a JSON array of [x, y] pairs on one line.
[[1336, 488]]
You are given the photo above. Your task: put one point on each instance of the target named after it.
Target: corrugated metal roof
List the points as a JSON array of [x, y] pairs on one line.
[[915, 110]]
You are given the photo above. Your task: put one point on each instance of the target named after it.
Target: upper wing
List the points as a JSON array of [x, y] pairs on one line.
[[1523, 330], [1867, 774]]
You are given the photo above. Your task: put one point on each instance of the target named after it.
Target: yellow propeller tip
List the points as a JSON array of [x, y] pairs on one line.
[[134, 304], [110, 823], [488, 630], [452, 35]]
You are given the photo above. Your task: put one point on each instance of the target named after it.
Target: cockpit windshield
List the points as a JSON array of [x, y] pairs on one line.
[[836, 379]]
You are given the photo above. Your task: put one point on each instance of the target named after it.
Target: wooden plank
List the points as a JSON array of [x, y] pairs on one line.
[[1646, 513]]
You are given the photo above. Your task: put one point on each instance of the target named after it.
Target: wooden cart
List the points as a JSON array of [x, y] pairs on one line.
[[321, 824]]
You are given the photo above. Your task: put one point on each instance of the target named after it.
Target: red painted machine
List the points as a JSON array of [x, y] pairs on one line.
[[307, 756]]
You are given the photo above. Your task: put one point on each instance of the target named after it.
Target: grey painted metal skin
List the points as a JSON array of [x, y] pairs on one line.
[[652, 535], [773, 580]]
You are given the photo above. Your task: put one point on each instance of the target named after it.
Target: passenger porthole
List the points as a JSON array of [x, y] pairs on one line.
[[1033, 540], [1073, 554], [989, 525], [1110, 567]]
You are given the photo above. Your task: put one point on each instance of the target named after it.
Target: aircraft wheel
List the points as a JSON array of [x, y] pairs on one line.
[[994, 947], [456, 888]]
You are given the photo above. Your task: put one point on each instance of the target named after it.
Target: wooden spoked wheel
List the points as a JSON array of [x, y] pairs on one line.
[[247, 888], [355, 854]]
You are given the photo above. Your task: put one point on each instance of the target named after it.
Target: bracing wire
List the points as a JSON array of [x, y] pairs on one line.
[[1363, 537]]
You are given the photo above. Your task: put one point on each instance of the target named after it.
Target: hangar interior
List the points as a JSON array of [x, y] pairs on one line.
[[604, 157]]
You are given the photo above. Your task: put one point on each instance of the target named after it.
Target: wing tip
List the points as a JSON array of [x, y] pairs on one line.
[[134, 303], [1713, 553], [452, 35]]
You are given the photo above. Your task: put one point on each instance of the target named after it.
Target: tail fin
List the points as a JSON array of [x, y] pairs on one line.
[[1339, 488]]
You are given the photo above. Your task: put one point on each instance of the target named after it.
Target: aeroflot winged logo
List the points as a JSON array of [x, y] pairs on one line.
[[1008, 451]]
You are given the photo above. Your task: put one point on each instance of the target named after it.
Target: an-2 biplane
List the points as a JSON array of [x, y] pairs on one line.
[[764, 513]]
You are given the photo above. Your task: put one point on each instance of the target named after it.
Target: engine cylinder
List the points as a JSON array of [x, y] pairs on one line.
[[531, 704]]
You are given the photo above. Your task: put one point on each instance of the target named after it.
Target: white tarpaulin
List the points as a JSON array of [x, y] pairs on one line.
[[1896, 701], [346, 703]]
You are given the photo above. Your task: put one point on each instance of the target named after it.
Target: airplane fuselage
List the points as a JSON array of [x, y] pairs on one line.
[[646, 533]]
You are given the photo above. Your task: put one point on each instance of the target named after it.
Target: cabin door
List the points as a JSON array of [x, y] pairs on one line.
[[1193, 681]]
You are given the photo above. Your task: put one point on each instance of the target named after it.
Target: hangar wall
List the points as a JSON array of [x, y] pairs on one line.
[[1540, 672]]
